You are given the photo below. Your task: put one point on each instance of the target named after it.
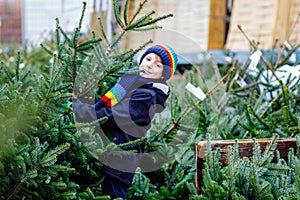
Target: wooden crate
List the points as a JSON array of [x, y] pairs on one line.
[[245, 150]]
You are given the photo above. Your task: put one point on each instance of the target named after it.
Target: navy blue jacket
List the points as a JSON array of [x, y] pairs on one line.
[[127, 121]]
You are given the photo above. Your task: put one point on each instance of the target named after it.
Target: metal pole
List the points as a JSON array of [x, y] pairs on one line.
[[109, 20]]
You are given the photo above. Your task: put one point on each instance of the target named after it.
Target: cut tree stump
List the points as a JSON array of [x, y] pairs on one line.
[[245, 150]]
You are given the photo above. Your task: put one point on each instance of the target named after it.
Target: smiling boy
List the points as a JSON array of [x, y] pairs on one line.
[[129, 107]]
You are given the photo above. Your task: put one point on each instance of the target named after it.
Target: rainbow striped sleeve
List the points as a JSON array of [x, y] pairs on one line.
[[114, 95]]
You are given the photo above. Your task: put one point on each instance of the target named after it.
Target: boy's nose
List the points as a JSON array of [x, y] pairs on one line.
[[150, 65]]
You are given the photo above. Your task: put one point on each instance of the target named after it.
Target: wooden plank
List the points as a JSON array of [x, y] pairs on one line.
[[282, 20], [293, 26], [186, 31], [245, 150], [217, 24], [253, 23], [134, 39]]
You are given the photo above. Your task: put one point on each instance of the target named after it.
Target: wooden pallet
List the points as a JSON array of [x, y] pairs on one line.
[[245, 150]]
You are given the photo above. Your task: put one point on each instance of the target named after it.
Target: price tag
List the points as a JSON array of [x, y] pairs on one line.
[[195, 91], [241, 82], [255, 57]]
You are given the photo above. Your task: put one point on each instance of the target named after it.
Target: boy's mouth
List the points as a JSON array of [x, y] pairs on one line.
[[146, 72]]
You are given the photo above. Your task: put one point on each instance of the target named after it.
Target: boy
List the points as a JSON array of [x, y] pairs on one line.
[[129, 107]]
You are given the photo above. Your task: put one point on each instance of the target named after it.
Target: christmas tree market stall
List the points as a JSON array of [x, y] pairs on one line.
[[230, 129]]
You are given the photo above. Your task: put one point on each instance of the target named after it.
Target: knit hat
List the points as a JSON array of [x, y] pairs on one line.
[[168, 57]]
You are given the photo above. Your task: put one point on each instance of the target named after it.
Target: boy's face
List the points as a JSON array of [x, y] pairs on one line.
[[152, 66]]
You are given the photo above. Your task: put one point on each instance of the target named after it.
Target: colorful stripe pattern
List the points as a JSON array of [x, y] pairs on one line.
[[114, 95], [117, 92]]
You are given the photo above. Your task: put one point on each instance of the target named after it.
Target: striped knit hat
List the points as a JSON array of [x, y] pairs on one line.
[[168, 57]]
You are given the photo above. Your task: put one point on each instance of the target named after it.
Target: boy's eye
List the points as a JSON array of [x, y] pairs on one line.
[[159, 64]]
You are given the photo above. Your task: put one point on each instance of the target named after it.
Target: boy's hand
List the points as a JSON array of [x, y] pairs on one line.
[[67, 107]]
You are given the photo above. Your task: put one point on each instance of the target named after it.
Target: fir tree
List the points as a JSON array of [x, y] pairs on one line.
[[47, 158], [44, 154]]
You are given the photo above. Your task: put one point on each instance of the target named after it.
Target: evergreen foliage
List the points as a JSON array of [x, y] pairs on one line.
[[45, 155], [258, 177]]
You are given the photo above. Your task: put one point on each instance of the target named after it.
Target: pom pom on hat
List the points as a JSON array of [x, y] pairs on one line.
[[168, 57]]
